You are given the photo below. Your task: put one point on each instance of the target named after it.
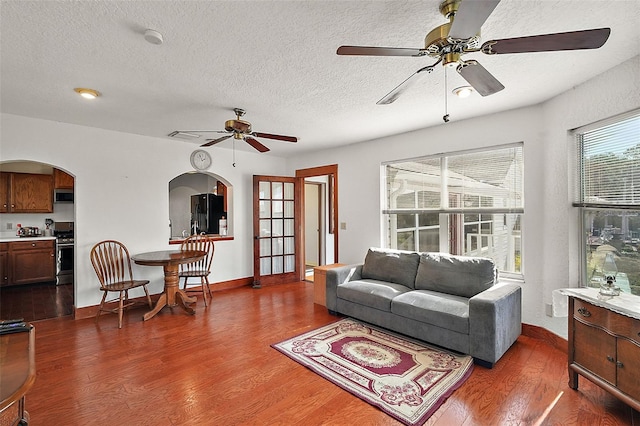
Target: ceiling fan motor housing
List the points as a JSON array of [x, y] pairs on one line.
[[449, 7], [239, 126]]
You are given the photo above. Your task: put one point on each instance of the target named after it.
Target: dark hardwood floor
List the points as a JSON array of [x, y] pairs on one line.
[[217, 368], [36, 301]]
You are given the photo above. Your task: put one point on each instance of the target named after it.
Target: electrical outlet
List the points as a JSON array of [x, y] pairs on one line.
[[548, 308], [9, 225], [343, 225]]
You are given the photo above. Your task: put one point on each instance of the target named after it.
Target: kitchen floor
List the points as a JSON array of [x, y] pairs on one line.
[[34, 302]]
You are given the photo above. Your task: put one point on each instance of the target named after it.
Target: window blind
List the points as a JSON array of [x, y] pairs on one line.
[[609, 165], [484, 181]]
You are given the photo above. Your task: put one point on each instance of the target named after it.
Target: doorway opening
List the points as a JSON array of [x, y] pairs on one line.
[[320, 236], [46, 290]]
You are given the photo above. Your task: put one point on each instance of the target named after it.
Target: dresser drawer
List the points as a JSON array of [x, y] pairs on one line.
[[591, 314], [629, 328], [617, 324]]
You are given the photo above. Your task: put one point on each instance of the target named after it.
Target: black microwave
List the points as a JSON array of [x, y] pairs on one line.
[[63, 196]]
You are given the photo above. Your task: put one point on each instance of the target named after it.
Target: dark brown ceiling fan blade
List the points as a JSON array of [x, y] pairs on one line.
[[572, 40], [469, 18], [379, 51], [406, 84], [254, 143], [276, 137], [215, 141], [479, 78]]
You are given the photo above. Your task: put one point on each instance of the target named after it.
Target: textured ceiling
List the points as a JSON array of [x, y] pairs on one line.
[[277, 60]]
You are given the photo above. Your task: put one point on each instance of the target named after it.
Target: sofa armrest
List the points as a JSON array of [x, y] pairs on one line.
[[339, 275], [495, 321]]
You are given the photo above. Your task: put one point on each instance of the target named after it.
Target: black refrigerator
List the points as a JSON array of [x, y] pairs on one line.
[[206, 212]]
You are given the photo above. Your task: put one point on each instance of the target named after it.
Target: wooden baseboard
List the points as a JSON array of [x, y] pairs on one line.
[[547, 336], [92, 311]]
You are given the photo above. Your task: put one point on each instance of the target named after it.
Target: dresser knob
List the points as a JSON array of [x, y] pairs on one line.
[[619, 364], [610, 358], [584, 312]]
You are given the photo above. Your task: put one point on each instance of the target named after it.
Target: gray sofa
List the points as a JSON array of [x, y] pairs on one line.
[[451, 301]]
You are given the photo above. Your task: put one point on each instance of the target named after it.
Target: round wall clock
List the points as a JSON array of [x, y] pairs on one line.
[[200, 160]]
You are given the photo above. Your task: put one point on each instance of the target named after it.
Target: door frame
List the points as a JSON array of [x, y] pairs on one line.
[[332, 172], [321, 246], [258, 279]]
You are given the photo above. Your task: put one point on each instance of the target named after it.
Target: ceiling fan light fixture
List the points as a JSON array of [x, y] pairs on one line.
[[463, 91], [87, 93]]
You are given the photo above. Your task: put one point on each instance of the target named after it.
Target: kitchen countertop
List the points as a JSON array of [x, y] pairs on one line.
[[15, 238], [214, 237]]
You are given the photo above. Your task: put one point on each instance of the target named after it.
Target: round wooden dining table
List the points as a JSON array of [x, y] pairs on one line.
[[170, 261]]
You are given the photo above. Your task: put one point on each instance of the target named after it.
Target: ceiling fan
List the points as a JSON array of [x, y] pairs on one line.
[[239, 129], [461, 35]]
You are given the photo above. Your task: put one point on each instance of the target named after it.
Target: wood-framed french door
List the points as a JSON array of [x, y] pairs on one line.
[[277, 213]]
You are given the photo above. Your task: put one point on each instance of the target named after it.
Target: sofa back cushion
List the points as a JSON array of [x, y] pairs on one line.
[[458, 275], [394, 266]]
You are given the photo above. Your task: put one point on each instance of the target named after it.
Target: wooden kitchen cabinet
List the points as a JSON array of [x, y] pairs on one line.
[[62, 180], [32, 262], [604, 347], [26, 193], [4, 264], [4, 192]]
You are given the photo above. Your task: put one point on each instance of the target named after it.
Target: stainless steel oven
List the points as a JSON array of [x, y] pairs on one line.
[[63, 232]]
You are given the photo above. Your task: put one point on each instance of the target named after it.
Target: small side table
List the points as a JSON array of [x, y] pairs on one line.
[[320, 283]]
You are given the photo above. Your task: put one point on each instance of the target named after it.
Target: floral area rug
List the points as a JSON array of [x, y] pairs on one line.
[[405, 378]]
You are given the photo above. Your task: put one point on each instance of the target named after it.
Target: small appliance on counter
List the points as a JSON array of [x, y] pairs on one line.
[[48, 232], [28, 231]]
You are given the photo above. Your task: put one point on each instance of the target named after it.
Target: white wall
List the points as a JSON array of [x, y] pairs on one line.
[[122, 191], [550, 227]]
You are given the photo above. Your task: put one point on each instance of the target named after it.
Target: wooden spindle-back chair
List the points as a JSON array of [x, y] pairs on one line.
[[112, 264], [201, 268]]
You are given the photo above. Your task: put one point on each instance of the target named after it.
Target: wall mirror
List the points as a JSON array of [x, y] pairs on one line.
[[203, 200]]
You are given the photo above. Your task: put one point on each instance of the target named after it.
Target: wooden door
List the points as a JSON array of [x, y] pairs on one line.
[[32, 261], [595, 350], [4, 264], [62, 180], [628, 371], [5, 207], [276, 230], [32, 193]]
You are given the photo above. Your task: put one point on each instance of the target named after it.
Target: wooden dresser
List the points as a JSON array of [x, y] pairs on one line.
[[604, 344]]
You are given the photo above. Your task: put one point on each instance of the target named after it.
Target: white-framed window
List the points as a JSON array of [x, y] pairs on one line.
[[467, 203], [608, 195]]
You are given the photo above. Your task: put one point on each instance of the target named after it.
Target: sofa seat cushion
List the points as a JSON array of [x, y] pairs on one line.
[[395, 266], [457, 275], [442, 310], [372, 293]]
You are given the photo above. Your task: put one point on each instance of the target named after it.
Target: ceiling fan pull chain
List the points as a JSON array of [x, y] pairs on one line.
[[233, 150], [445, 117]]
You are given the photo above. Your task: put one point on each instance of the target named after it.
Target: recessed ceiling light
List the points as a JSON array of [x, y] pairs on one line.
[[463, 91], [87, 93]]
